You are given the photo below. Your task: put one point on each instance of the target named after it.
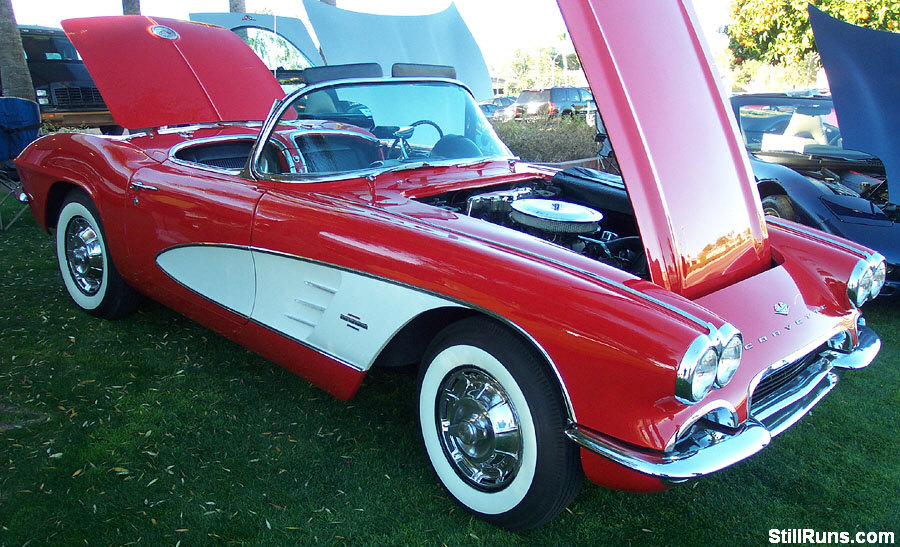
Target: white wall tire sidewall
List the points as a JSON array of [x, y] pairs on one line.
[[489, 503], [71, 210]]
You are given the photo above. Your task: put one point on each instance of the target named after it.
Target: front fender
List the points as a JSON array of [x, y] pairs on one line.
[[615, 353]]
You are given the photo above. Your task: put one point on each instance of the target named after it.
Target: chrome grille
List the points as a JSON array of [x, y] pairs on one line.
[[773, 381], [77, 96]]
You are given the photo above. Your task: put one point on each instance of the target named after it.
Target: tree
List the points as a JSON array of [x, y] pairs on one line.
[[779, 32], [238, 6], [131, 7], [13, 68]]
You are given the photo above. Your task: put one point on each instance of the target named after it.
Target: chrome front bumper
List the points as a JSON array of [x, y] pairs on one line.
[[711, 447]]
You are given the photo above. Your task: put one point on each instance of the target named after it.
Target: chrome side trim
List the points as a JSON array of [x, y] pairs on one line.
[[309, 304], [300, 320], [570, 409], [820, 237], [692, 457], [319, 286], [316, 349]]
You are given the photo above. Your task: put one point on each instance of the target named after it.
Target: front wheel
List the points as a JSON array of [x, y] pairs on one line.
[[86, 267], [492, 419], [779, 205]]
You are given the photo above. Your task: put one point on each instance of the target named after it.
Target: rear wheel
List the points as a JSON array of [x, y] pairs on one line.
[[779, 205], [87, 269], [492, 420]]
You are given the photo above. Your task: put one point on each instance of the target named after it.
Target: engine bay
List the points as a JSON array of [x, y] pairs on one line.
[[583, 210]]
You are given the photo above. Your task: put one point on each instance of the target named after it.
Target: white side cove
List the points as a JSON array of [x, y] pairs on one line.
[[218, 273], [348, 316]]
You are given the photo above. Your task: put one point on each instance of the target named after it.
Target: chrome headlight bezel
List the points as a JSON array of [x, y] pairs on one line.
[[866, 279], [696, 373], [858, 293], [879, 274], [732, 344], [703, 368]]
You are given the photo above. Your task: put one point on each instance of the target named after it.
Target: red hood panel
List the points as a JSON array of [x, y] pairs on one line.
[[204, 74], [695, 200]]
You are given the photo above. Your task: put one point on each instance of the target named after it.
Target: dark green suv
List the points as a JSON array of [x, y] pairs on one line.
[[552, 102]]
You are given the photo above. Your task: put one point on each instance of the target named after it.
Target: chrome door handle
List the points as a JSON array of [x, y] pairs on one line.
[[141, 186]]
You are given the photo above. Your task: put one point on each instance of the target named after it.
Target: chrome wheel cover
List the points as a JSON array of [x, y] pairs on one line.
[[84, 255], [478, 428]]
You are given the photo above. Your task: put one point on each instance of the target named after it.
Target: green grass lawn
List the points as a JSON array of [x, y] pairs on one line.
[[154, 429]]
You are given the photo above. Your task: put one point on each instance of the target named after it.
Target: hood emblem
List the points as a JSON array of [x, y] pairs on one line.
[[164, 32], [782, 309]]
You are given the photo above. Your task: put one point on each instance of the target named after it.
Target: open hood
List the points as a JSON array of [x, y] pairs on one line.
[[154, 71], [437, 39], [863, 68], [676, 141]]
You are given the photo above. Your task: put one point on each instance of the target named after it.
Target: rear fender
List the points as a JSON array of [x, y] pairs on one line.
[[53, 165]]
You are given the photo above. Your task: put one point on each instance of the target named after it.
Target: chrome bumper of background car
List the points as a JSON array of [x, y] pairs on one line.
[[711, 447]]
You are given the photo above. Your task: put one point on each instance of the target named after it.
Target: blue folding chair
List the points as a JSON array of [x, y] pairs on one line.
[[20, 123]]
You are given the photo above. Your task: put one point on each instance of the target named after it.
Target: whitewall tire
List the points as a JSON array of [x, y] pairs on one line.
[[85, 264], [492, 422]]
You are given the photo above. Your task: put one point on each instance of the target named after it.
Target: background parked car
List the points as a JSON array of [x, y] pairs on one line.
[[499, 108], [488, 109], [552, 102], [804, 174], [64, 90]]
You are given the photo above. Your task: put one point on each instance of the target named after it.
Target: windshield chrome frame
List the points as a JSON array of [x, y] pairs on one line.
[[280, 106]]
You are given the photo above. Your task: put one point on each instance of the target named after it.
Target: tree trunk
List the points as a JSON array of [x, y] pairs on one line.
[[131, 7], [238, 6], [13, 68]]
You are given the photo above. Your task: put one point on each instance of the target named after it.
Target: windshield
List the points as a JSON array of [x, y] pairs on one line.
[[49, 48], [789, 125], [364, 126]]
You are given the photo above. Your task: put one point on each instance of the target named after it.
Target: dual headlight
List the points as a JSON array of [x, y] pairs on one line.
[[710, 361], [866, 280]]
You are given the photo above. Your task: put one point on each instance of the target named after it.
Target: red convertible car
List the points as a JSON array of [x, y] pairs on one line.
[[564, 325]]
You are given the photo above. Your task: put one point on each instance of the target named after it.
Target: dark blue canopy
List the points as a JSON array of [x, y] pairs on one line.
[[20, 121], [863, 68]]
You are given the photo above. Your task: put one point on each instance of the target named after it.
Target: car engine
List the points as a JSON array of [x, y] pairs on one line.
[[591, 217]]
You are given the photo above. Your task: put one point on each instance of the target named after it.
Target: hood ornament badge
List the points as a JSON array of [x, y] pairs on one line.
[[164, 32], [782, 309]]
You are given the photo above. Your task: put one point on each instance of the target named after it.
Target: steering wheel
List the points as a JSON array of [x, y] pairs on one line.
[[431, 123], [402, 136]]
